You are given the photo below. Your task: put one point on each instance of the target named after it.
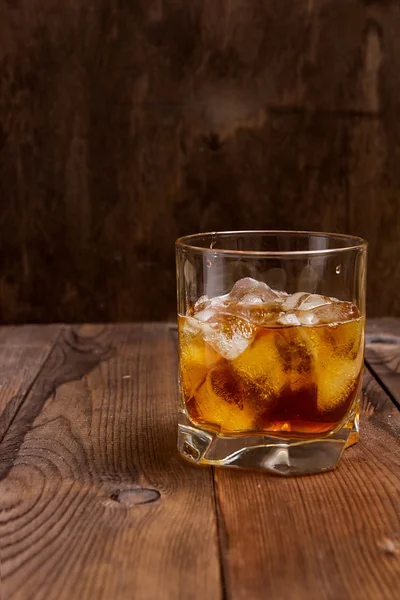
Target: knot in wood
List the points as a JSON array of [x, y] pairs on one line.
[[136, 496]]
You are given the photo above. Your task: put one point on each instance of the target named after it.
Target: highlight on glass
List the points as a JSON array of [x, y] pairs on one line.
[[271, 348]]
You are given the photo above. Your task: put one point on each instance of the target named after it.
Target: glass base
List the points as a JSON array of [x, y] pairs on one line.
[[275, 455]]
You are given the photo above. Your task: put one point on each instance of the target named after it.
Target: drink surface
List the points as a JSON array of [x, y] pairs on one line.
[[261, 361]]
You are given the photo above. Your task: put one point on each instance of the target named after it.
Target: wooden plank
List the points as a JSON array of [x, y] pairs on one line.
[[23, 350], [384, 361], [319, 537], [70, 358], [98, 503], [382, 354]]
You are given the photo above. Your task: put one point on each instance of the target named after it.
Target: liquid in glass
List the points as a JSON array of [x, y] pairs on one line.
[[259, 361]]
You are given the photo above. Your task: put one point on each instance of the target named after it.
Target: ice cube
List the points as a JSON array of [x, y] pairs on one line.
[[314, 309], [196, 356], [313, 301], [339, 350], [343, 341], [189, 329], [336, 381], [205, 315], [336, 312], [251, 291], [261, 365], [219, 402], [307, 317], [220, 301], [293, 300], [228, 334], [346, 339], [258, 314], [205, 303], [306, 308], [288, 319], [298, 356], [202, 303]]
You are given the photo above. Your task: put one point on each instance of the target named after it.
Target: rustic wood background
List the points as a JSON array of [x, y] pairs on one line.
[[124, 124]]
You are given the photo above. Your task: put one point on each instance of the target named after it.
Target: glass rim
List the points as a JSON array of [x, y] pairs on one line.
[[189, 242]]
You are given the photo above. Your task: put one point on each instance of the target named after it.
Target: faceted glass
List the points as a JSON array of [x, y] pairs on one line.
[[271, 344]]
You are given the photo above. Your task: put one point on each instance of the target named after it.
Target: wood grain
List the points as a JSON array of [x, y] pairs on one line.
[[126, 124], [319, 537], [384, 361], [70, 358], [382, 354], [97, 503], [23, 350]]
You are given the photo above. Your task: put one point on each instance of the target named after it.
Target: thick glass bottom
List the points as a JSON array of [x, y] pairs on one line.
[[275, 455]]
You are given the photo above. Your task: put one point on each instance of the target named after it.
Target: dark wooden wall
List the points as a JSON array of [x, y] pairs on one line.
[[126, 123]]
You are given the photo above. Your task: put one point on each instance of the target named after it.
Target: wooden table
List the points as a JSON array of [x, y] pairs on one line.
[[96, 503]]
